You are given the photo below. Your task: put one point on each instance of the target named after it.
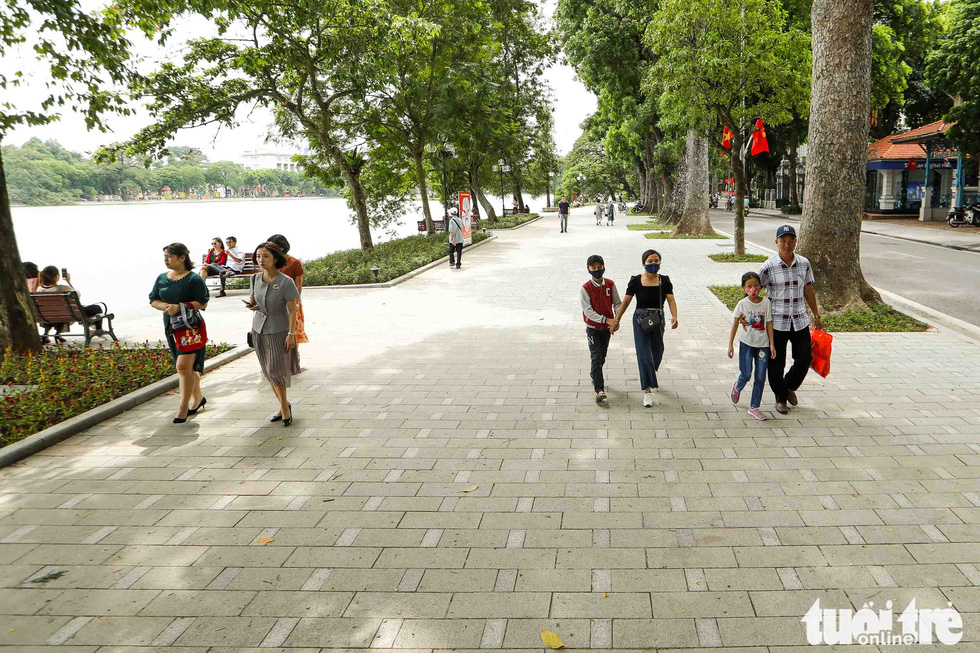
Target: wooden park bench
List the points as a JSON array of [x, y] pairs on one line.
[[52, 309], [250, 268], [440, 225]]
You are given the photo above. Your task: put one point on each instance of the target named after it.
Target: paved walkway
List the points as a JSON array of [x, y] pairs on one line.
[[450, 483], [963, 238]]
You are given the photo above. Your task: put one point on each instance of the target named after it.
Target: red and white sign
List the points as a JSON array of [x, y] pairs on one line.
[[465, 216]]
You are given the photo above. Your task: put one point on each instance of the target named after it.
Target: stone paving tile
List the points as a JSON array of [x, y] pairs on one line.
[[450, 484]]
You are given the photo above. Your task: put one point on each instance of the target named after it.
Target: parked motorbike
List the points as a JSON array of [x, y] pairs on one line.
[[636, 208], [968, 216]]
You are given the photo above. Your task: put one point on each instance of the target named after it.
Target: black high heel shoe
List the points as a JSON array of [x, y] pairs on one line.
[[180, 420], [204, 400], [278, 416], [289, 420]]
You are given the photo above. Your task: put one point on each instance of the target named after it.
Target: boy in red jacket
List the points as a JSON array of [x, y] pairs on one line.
[[600, 299]]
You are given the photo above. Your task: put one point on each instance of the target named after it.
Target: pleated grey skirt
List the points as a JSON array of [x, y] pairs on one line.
[[278, 365]]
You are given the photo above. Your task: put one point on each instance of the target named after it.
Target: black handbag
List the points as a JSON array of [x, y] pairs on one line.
[[188, 318], [653, 318], [251, 293]]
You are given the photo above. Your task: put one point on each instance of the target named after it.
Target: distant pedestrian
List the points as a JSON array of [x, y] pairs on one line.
[[179, 285], [755, 342], [274, 299], [598, 213], [788, 281], [563, 214], [651, 290], [600, 299], [610, 212], [455, 240]]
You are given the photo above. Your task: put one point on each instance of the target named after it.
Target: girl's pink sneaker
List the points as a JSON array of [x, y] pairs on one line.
[[758, 414], [735, 392]]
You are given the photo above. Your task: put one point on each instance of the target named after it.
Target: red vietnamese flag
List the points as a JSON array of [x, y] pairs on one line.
[[759, 141], [726, 139]]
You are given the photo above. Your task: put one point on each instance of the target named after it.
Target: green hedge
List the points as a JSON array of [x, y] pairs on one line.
[[651, 226], [655, 235], [877, 318], [510, 221], [393, 258], [66, 382], [730, 257]]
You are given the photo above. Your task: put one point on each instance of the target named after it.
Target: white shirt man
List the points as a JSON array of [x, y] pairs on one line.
[[236, 259]]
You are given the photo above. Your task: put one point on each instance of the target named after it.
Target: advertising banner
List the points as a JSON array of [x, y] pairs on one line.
[[465, 216]]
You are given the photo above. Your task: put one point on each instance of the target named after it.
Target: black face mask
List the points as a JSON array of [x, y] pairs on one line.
[[597, 274]]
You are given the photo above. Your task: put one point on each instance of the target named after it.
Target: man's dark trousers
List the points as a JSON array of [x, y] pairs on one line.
[[800, 341], [455, 253], [598, 346]]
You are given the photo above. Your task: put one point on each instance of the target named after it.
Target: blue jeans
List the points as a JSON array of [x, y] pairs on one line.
[[746, 355], [649, 350]]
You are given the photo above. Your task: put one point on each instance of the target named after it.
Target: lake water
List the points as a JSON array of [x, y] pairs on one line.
[[115, 251]]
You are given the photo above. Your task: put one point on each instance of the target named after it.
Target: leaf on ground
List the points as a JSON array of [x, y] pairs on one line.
[[472, 488], [551, 639], [265, 540], [54, 575]]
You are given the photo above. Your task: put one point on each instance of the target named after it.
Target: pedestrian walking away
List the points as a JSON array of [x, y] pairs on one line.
[[600, 299], [179, 285], [788, 281], [455, 240], [610, 212], [598, 213], [563, 214], [755, 342], [273, 299], [651, 290]]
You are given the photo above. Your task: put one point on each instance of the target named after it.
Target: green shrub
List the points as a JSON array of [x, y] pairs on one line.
[[510, 221], [789, 210], [393, 259], [667, 234], [63, 383], [651, 226], [729, 257]]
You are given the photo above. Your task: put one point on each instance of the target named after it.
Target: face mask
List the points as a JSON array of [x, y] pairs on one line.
[[597, 274], [653, 268], [752, 292]]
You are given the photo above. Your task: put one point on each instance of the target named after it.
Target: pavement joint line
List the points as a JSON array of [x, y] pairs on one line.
[[789, 578], [297, 503], [410, 580], [182, 535], [68, 631], [17, 534], [506, 580], [147, 502], [970, 571], [881, 576], [493, 633], [279, 632], [601, 580], [131, 578], [708, 633], [99, 535], [934, 533], [317, 580], [696, 580], [223, 580], [347, 537], [386, 634], [431, 538], [74, 501], [172, 632]]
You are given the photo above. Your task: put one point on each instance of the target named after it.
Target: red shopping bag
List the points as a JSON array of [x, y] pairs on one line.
[[188, 340], [820, 345]]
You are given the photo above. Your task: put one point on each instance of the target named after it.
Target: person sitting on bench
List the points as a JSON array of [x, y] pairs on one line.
[[217, 264], [50, 281]]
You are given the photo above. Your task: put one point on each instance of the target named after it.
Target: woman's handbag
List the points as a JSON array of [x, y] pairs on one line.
[[653, 319], [190, 332]]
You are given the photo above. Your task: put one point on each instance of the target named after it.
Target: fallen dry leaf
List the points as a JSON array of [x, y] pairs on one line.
[[265, 540], [472, 488], [551, 640]]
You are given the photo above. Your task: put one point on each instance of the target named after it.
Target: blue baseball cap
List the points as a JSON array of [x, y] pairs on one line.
[[786, 230]]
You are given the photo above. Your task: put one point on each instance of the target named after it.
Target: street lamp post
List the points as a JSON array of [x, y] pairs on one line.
[[551, 176], [502, 167], [581, 181], [446, 151]]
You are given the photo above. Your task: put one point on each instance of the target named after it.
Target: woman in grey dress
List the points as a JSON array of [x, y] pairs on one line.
[[274, 300]]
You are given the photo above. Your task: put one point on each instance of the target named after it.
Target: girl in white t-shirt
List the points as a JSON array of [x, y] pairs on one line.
[[752, 320]]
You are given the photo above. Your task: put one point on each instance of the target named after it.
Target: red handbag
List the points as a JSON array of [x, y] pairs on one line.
[[190, 338], [820, 345]]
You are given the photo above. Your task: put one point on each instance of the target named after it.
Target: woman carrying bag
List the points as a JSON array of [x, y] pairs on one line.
[[651, 290], [181, 294], [275, 300]]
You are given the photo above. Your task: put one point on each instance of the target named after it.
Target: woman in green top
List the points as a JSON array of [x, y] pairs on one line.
[[178, 285]]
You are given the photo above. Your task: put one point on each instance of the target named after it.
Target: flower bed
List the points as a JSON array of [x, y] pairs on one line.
[[393, 258], [62, 383], [877, 318]]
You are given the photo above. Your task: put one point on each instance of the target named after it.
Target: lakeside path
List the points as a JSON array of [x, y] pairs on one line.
[[449, 482]]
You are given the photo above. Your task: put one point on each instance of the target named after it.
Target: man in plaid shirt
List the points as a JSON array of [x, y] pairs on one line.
[[788, 281]]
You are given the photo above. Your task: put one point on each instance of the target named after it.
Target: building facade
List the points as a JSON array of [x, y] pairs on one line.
[[270, 160]]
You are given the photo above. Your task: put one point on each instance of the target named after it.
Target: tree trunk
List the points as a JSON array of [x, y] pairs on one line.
[[517, 178], [694, 218], [675, 205], [17, 329], [474, 173], [830, 235], [424, 190], [794, 137], [738, 170], [653, 203], [641, 174], [353, 178]]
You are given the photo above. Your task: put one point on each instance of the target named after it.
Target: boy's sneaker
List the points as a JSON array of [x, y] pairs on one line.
[[758, 414], [736, 393], [600, 397], [647, 399]]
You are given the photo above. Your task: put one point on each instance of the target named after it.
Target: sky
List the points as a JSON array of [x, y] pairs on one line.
[[573, 103]]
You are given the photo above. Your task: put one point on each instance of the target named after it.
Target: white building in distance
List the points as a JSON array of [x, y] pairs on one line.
[[270, 160]]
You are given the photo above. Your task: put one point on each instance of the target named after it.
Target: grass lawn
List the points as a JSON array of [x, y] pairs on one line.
[[729, 257], [654, 235], [61, 383], [878, 318], [651, 226], [393, 258]]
